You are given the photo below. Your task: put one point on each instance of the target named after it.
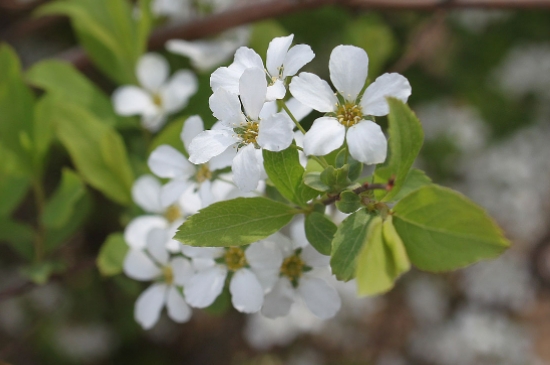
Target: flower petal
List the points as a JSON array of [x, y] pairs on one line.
[[349, 66], [146, 194], [226, 106], [268, 109], [247, 58], [324, 136], [296, 58], [191, 128], [247, 294], [321, 299], [202, 252], [276, 53], [276, 91], [152, 71], [222, 160], [135, 233], [298, 110], [138, 266], [367, 143], [246, 170], [205, 286], [177, 308], [173, 190], [165, 161], [209, 144], [153, 122], [276, 132], [374, 99], [226, 78], [182, 270], [314, 92], [298, 232], [149, 305], [156, 245], [205, 193], [278, 301], [313, 258], [264, 254], [132, 100], [179, 89], [253, 89]]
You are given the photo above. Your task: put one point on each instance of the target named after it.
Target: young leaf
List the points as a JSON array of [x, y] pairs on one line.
[[18, 235], [55, 237], [415, 180], [405, 140], [382, 260], [320, 231], [61, 205], [285, 171], [443, 230], [347, 243], [349, 202], [235, 222], [13, 183], [111, 255]]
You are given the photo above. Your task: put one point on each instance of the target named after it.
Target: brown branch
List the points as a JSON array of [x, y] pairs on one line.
[[365, 187], [438, 4]]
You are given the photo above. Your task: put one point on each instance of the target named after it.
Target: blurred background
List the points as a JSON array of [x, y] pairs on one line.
[[481, 88]]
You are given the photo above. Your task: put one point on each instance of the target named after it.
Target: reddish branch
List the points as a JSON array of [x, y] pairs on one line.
[[365, 187]]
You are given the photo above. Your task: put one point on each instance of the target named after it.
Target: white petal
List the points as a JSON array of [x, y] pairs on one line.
[[182, 270], [298, 56], [349, 66], [175, 95], [298, 110], [277, 303], [152, 71], [285, 245], [146, 194], [248, 58], [314, 92], [268, 109], [367, 143], [222, 160], [190, 201], [313, 258], [172, 191], [165, 161], [191, 128], [171, 244], [298, 232], [321, 299], [153, 122], [156, 245], [177, 308], [205, 193], [209, 144], [267, 278], [226, 107], [253, 89], [138, 266], [202, 252], [226, 78], [131, 100], [374, 99], [246, 172], [276, 91], [276, 53], [325, 135], [205, 286], [276, 132], [264, 254], [149, 305], [135, 233], [247, 294]]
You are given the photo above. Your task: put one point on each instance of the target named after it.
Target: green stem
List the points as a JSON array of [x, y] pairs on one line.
[[298, 125], [40, 201]]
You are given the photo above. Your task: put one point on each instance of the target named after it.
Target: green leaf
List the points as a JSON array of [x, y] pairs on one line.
[[170, 135], [111, 255], [60, 207], [40, 272], [313, 180], [443, 230], [382, 260], [13, 183], [235, 222], [285, 172], [349, 202], [405, 140], [335, 178], [320, 231], [18, 235], [96, 149], [66, 83], [415, 180], [348, 241]]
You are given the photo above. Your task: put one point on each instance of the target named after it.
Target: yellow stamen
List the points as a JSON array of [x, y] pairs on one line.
[[349, 114], [250, 134], [157, 100], [168, 275], [203, 174], [292, 267], [235, 258], [173, 213]]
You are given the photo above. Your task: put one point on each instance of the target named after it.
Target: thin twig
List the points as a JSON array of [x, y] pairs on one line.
[[365, 187]]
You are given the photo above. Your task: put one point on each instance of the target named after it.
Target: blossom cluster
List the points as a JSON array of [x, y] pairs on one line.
[[254, 111]]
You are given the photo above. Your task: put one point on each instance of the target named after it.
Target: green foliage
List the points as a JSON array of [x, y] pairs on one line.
[[405, 140], [55, 237], [335, 178], [13, 183], [320, 231], [61, 206], [382, 260], [110, 259], [349, 202], [235, 222], [170, 135], [40, 272], [286, 173], [443, 230], [348, 241], [18, 235], [96, 149], [415, 180], [109, 32]]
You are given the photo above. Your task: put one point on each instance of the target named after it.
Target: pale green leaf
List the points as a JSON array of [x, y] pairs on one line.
[[415, 180], [111, 255], [320, 231], [60, 207]]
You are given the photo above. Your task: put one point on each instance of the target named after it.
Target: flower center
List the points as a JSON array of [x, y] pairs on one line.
[[203, 173], [293, 267], [173, 213], [157, 100], [248, 132], [168, 275], [349, 114], [235, 258]]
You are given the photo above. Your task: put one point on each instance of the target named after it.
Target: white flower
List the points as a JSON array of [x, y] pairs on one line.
[[347, 112], [173, 9], [207, 54], [281, 62], [167, 162], [253, 269], [146, 193], [158, 96], [154, 263], [248, 133], [300, 277]]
